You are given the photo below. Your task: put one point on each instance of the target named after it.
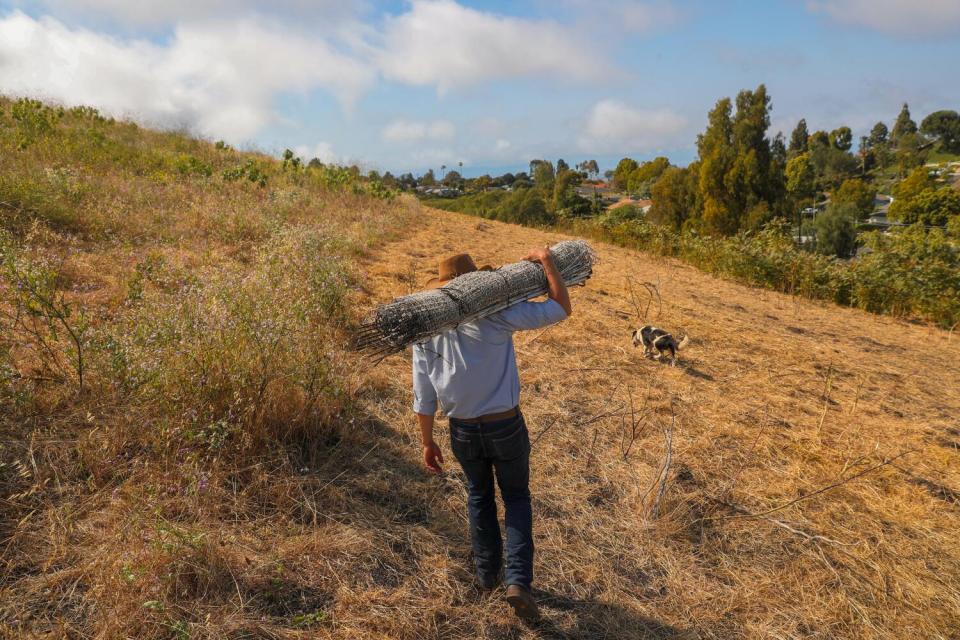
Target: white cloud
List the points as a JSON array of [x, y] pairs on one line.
[[643, 17], [410, 131], [897, 17], [613, 126], [502, 146], [438, 156], [219, 79], [441, 43], [152, 14], [323, 151], [625, 16]]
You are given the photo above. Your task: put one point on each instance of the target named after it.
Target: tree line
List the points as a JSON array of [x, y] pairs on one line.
[[545, 195], [453, 179], [742, 179]]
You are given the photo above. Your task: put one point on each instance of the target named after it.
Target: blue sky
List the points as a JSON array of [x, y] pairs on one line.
[[412, 85]]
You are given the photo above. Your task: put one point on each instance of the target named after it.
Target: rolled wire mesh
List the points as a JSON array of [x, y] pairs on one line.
[[419, 316]]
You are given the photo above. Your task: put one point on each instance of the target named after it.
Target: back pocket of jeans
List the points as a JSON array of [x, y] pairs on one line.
[[464, 447], [512, 445]]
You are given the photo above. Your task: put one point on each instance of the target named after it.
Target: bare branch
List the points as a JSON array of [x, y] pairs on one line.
[[829, 487]]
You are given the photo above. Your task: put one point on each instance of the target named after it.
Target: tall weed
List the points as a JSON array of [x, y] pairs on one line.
[[243, 358]]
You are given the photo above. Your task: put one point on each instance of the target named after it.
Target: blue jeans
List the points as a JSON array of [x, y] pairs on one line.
[[503, 449]]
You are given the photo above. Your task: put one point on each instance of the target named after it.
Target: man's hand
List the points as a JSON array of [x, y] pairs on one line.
[[540, 255], [431, 452], [432, 457], [556, 289]]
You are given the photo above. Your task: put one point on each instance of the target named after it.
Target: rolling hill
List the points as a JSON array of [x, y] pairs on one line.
[[222, 465]]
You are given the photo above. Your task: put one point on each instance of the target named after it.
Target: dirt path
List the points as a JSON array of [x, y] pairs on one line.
[[774, 399]]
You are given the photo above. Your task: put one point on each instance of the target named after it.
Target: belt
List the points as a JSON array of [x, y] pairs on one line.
[[490, 417]]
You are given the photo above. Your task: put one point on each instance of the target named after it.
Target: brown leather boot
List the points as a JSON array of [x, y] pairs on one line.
[[523, 603]]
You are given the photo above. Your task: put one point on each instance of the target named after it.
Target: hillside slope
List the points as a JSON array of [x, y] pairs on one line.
[[775, 399], [218, 464]]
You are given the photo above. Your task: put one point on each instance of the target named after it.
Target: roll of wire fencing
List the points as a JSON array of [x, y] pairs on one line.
[[419, 316]]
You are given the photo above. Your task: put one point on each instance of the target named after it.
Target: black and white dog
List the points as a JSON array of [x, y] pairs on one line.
[[652, 337]]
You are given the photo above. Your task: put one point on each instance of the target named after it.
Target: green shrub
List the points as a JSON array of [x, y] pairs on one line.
[[245, 358], [249, 170], [858, 194], [912, 272], [836, 230], [34, 121], [36, 312], [523, 205], [932, 207], [88, 113], [621, 214], [187, 165]]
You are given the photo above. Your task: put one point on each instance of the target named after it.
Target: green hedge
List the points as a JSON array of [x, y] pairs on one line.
[[911, 272]]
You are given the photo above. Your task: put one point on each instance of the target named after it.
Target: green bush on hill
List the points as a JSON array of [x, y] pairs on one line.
[[919, 199], [524, 205], [836, 230], [912, 272]]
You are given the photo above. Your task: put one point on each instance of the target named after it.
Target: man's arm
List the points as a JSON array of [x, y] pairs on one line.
[[557, 289], [432, 457], [424, 407]]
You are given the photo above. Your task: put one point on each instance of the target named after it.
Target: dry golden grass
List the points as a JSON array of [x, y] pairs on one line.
[[775, 399]]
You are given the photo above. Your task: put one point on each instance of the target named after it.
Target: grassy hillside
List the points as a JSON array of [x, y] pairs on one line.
[[786, 510], [189, 450], [172, 361]]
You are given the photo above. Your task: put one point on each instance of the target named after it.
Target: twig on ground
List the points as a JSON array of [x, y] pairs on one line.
[[813, 537], [535, 338], [633, 299], [625, 451], [593, 444], [856, 399], [361, 459], [544, 430], [664, 473], [584, 423], [733, 480], [653, 291], [829, 487], [826, 398], [595, 369]]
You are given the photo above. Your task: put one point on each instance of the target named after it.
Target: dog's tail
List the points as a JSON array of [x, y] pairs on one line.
[[683, 342]]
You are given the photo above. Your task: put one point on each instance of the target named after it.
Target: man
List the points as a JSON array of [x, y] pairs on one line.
[[471, 371]]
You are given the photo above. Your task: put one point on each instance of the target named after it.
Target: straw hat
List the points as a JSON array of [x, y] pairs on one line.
[[450, 268]]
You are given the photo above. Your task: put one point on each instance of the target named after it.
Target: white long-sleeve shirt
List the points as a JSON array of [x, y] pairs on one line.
[[471, 370]]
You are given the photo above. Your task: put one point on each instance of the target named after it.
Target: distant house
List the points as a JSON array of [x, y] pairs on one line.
[[643, 205], [440, 192], [587, 189]]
